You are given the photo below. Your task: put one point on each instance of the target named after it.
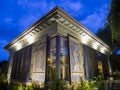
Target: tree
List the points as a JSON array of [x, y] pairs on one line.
[[114, 21], [3, 67], [105, 34]]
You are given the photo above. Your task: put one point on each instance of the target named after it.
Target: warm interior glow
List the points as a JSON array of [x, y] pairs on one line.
[[85, 39], [49, 60]]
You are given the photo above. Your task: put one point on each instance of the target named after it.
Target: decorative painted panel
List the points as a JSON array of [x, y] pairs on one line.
[[39, 61], [76, 77], [75, 60], [75, 56], [39, 77], [40, 52]]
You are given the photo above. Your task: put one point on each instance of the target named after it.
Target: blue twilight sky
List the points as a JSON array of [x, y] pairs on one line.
[[18, 15]]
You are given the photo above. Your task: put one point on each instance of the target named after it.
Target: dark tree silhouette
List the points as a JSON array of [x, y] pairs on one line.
[[3, 67], [114, 21]]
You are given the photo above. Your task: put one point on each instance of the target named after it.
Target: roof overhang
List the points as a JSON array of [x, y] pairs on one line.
[[58, 15]]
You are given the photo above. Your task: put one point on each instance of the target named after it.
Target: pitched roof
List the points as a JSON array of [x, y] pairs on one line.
[[59, 15]]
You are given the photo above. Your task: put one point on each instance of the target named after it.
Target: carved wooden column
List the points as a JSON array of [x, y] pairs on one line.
[[109, 65], [82, 60], [32, 62], [29, 52], [58, 55]]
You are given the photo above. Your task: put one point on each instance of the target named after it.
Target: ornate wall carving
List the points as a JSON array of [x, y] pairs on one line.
[[75, 60], [39, 61]]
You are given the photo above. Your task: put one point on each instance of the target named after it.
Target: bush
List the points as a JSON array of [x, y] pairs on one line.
[[3, 82], [16, 86], [91, 85], [57, 84], [84, 85]]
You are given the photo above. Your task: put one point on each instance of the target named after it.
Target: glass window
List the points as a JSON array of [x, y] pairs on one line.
[[64, 59], [62, 64], [52, 59]]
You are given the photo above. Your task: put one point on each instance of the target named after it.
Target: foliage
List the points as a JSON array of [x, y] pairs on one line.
[[3, 82], [83, 86], [114, 20], [16, 86], [57, 84], [99, 83], [3, 67], [105, 34], [91, 85], [19, 86], [29, 88]]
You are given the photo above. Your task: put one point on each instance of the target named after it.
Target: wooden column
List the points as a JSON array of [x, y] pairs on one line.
[[10, 66], [86, 63], [32, 62], [58, 54], [109, 65]]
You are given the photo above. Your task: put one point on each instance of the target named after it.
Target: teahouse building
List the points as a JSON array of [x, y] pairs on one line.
[[57, 43]]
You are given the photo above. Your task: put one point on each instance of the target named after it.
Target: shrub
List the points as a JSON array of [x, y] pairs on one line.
[[16, 86], [84, 85], [91, 85], [3, 82]]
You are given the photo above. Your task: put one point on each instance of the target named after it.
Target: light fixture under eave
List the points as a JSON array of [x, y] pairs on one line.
[[95, 45], [85, 39], [18, 45], [102, 49], [30, 39]]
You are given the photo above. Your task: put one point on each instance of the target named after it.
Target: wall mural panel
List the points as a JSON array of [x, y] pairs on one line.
[[76, 77], [39, 77], [40, 60], [75, 56], [75, 61]]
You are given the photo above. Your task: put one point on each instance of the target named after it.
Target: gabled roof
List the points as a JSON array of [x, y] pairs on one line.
[[57, 14], [33, 26]]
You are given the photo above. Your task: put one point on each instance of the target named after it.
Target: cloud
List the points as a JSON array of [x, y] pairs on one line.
[[37, 6], [8, 20], [96, 20], [43, 6], [3, 42], [75, 6], [26, 21], [72, 7], [34, 10], [93, 22]]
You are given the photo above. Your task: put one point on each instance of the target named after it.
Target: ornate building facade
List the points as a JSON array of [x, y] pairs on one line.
[[57, 43]]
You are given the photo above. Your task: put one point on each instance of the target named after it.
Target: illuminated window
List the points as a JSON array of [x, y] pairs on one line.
[[57, 68], [52, 59], [64, 59]]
